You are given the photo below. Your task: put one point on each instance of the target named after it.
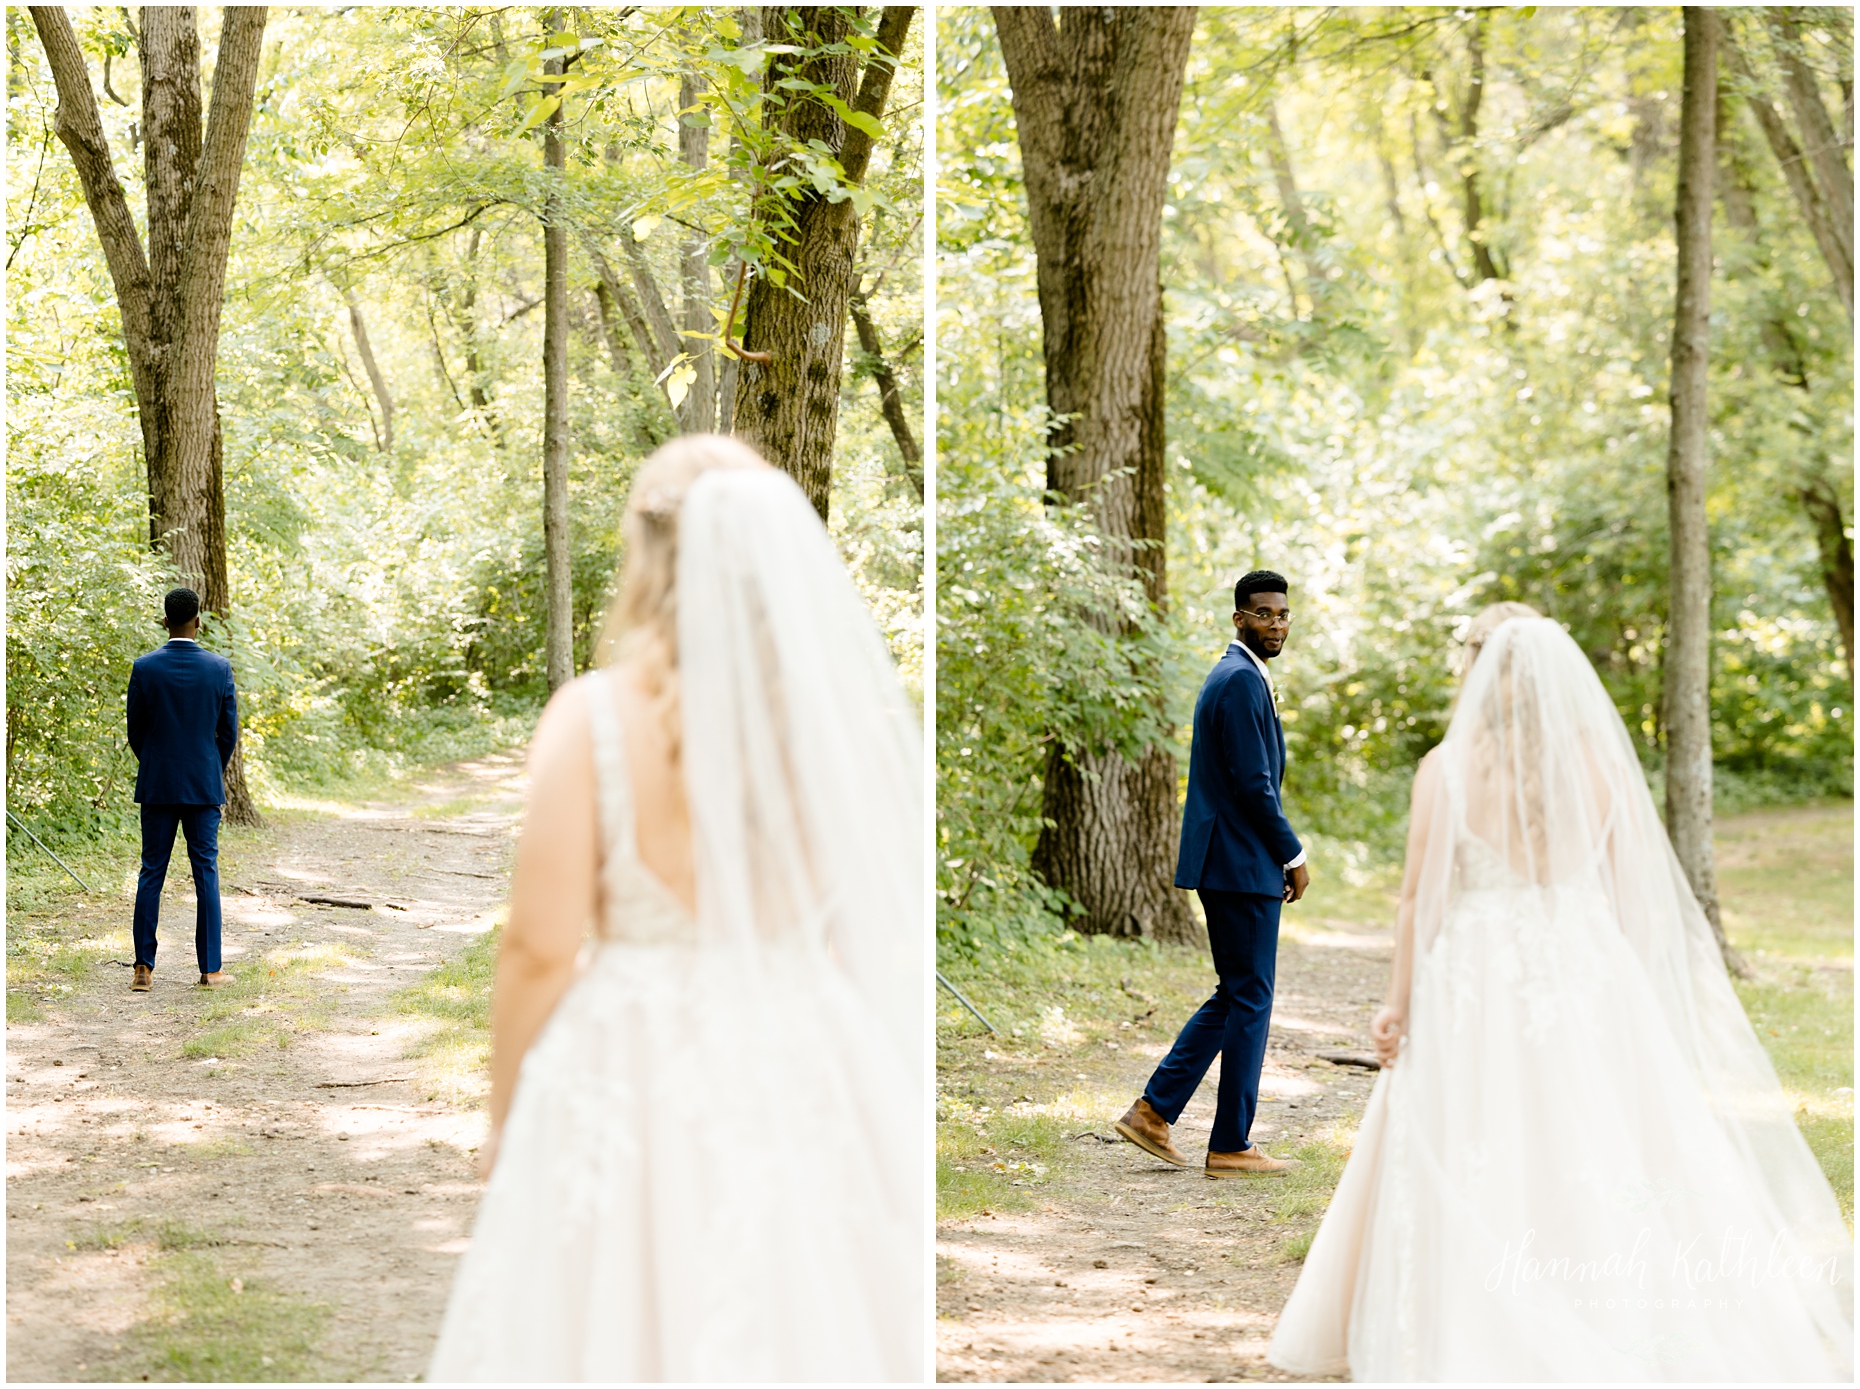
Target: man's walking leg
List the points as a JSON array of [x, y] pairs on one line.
[[1173, 1083], [1251, 969], [158, 826], [201, 824]]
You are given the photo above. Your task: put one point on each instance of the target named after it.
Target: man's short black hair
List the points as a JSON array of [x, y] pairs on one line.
[[181, 606], [1259, 581]]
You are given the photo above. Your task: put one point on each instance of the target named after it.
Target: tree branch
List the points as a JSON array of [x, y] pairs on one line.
[[80, 128], [874, 87], [1795, 172]]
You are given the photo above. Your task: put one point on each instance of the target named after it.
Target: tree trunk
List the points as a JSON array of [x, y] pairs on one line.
[[697, 414], [1823, 506], [651, 301], [890, 401], [1687, 664], [170, 50], [559, 644], [1823, 146], [170, 300], [657, 358], [376, 381], [1836, 249], [1820, 502], [788, 407], [80, 130], [465, 318], [1461, 143], [1095, 101]]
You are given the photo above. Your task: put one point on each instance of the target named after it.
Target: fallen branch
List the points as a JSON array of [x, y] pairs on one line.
[[338, 902], [1350, 1058], [358, 1084]]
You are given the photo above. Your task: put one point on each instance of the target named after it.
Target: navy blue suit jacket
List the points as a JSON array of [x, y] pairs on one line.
[[1235, 837], [183, 724]]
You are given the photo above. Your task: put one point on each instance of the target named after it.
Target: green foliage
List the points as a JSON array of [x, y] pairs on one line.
[[388, 602], [1351, 405]]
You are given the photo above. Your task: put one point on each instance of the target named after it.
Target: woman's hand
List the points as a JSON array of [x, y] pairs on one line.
[[1389, 1027], [487, 1155]]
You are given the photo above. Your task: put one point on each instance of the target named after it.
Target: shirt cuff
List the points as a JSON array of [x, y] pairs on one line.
[[1298, 862]]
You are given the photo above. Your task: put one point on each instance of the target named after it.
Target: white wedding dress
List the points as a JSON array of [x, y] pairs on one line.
[[713, 1164], [1581, 1166]]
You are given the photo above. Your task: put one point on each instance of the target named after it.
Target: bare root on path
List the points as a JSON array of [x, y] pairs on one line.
[[319, 1160]]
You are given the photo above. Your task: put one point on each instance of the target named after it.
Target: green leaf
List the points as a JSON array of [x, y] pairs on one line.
[[858, 120], [646, 225], [540, 112]]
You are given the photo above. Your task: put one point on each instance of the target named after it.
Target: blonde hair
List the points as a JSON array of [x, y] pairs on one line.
[[1488, 621], [642, 620]]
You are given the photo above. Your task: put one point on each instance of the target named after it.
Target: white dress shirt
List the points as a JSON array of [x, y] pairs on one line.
[[1253, 656]]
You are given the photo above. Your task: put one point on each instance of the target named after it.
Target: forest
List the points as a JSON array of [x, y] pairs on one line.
[[1418, 274], [476, 263]]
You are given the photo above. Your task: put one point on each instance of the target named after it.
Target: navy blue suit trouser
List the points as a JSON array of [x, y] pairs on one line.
[[1243, 930], [200, 825]]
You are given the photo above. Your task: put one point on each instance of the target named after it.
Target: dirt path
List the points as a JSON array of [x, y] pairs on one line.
[[1125, 1268], [317, 1160]]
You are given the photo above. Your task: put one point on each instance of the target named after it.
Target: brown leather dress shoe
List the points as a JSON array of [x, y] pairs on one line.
[[219, 979], [1249, 1162], [1147, 1129], [140, 984]]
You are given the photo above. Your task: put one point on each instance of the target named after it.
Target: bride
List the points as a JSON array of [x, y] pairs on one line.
[[1578, 1164], [708, 1123]]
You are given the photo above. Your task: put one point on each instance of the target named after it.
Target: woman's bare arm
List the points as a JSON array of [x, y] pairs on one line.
[[553, 893], [1392, 1022]]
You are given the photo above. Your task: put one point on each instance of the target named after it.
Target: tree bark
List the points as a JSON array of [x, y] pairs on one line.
[[788, 407], [170, 299], [1823, 506], [1462, 148], [1687, 664], [657, 358], [80, 129], [1836, 250], [170, 49], [890, 400], [376, 381], [193, 408], [464, 311], [1095, 100], [1820, 502], [651, 301], [697, 413], [559, 643], [1822, 144]]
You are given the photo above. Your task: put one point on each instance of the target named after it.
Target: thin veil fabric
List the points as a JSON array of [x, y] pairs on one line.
[[712, 1170], [804, 757], [1539, 774], [1583, 1164]]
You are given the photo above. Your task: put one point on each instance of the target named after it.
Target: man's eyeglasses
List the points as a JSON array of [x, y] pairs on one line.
[[1269, 617]]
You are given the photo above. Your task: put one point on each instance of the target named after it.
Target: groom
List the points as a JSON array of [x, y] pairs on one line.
[[1240, 856], [183, 726]]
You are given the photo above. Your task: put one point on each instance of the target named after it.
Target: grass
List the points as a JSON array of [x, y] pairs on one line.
[[209, 1320], [276, 996], [452, 1004], [1785, 880], [1786, 884], [994, 1162], [212, 1325]]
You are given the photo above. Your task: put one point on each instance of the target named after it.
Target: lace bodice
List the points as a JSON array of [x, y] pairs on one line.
[[636, 907]]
